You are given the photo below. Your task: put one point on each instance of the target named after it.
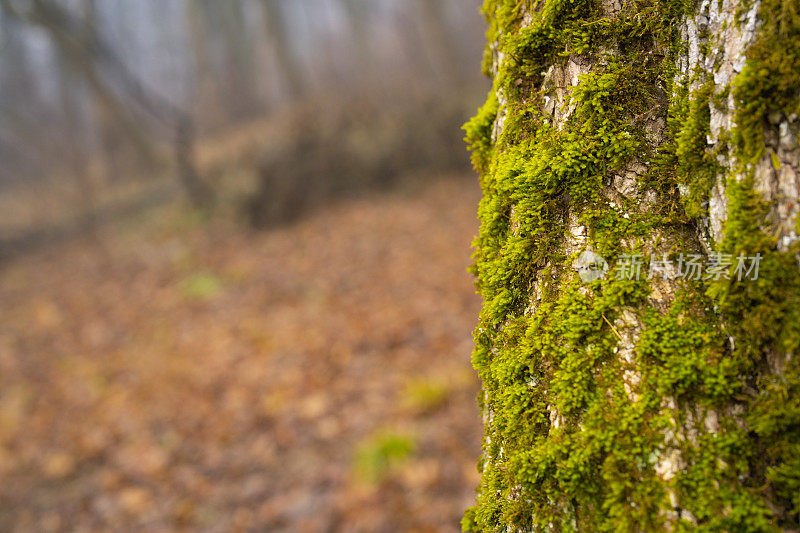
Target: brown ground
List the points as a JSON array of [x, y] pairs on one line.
[[181, 375]]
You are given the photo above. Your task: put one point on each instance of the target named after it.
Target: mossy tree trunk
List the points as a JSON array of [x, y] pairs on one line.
[[660, 132]]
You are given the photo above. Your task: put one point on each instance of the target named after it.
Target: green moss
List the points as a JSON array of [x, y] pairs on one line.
[[573, 440], [479, 134], [424, 395], [201, 286], [764, 316], [770, 79], [380, 454], [696, 166]]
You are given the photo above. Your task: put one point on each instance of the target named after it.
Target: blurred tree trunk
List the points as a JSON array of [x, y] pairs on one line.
[[15, 75], [77, 153], [221, 27], [441, 48], [199, 193], [103, 117], [358, 19], [659, 137], [205, 83], [16, 82], [277, 26], [241, 63]]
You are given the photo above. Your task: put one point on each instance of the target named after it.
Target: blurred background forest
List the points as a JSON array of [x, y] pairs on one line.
[[233, 248], [106, 103]]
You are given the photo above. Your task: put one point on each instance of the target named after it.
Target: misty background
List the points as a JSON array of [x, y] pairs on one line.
[[234, 241], [108, 105]]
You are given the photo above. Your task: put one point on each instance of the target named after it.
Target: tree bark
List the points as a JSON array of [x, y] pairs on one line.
[[653, 136]]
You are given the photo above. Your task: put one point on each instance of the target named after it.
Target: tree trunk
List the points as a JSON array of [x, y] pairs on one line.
[[442, 51], [199, 193], [657, 140], [77, 156], [291, 75]]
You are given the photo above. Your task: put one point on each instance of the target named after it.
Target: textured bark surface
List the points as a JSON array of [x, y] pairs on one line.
[[664, 129]]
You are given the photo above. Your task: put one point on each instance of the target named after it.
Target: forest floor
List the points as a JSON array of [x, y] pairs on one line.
[[176, 374]]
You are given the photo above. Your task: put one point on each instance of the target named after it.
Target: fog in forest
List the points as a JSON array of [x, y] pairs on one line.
[[234, 240], [98, 96]]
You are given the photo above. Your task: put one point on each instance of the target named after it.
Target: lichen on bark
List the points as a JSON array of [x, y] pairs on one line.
[[638, 127]]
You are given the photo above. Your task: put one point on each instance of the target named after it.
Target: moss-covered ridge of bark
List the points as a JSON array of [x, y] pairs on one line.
[[571, 444], [764, 317]]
